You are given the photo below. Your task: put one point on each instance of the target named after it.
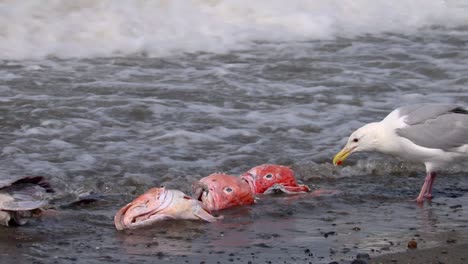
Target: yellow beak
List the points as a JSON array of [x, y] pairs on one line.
[[341, 156]]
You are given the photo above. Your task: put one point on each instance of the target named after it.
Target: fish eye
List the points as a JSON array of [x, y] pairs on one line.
[[355, 140], [228, 189], [269, 176]]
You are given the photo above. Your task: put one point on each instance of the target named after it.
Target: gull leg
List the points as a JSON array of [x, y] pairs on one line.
[[424, 188], [428, 193]]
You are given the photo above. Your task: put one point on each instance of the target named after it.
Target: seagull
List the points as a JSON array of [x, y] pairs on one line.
[[434, 134]]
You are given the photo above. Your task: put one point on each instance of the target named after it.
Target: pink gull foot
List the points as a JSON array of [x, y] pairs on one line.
[[419, 199], [424, 189], [428, 194]]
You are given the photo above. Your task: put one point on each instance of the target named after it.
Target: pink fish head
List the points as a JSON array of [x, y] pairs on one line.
[[270, 177], [219, 191], [159, 204]]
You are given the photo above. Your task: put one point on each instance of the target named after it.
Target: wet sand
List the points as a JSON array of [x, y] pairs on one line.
[[373, 217], [456, 254]]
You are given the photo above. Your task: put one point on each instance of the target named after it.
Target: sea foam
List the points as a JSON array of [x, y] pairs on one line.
[[84, 28]]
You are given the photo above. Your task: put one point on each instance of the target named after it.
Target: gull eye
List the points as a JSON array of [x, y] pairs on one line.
[[228, 189], [355, 140], [269, 176]]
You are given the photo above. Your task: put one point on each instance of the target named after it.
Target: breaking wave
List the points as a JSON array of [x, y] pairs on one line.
[[87, 28]]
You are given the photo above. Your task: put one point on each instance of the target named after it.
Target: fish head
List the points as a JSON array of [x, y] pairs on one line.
[[263, 177], [143, 209], [219, 191], [159, 204]]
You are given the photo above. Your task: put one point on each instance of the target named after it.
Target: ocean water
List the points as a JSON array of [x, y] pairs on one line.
[[115, 97]]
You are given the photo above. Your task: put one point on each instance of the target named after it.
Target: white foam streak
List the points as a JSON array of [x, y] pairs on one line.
[[87, 28]]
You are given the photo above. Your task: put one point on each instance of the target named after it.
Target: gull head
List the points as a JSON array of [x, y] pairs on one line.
[[366, 138]]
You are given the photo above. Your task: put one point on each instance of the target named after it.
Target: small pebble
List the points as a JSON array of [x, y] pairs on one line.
[[412, 244]]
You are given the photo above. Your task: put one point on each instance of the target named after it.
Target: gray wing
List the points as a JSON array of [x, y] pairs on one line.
[[22, 200], [23, 194], [421, 113], [435, 126]]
